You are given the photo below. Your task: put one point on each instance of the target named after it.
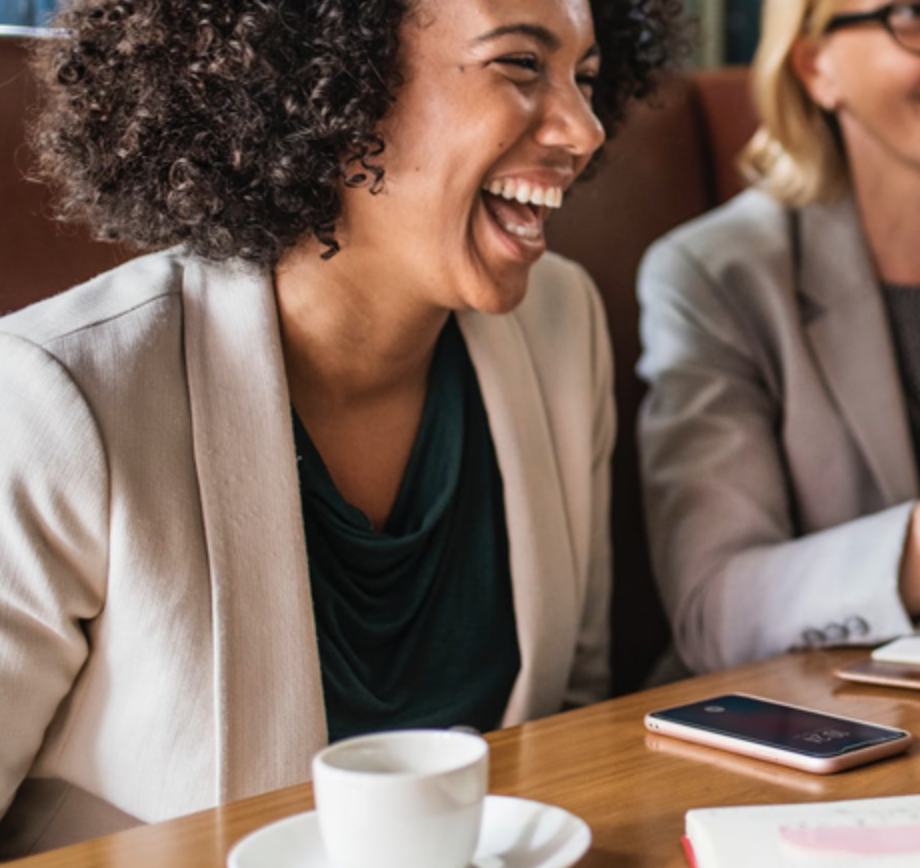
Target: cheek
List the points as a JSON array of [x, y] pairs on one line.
[[881, 96], [852, 71], [881, 79], [427, 151]]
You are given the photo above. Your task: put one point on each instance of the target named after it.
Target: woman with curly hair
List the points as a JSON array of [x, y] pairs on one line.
[[781, 433], [335, 458]]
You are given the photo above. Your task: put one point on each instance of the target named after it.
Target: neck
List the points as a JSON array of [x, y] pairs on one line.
[[887, 202], [350, 329]]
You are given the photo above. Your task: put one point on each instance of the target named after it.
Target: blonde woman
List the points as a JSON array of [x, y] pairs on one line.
[[782, 349]]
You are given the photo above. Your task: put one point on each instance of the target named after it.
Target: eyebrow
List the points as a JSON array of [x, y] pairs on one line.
[[536, 31]]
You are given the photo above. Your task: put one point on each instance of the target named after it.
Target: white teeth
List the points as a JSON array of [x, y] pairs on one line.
[[524, 231], [523, 192], [532, 233]]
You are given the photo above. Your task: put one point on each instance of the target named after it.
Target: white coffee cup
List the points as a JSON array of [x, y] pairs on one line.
[[406, 799]]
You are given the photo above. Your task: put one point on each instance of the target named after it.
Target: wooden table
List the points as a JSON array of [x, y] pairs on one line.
[[631, 787]]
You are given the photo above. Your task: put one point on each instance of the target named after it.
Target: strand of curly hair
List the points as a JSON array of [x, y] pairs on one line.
[[229, 125]]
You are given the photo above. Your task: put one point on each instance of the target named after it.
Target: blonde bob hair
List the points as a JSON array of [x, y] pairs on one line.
[[796, 155]]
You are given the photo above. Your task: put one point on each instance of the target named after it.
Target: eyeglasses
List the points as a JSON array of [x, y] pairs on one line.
[[900, 19]]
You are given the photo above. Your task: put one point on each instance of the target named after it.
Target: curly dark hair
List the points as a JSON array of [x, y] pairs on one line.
[[228, 125]]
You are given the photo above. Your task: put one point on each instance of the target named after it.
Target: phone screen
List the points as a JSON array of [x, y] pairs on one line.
[[794, 729]]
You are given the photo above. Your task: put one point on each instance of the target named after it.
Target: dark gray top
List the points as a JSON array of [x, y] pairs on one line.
[[903, 304]]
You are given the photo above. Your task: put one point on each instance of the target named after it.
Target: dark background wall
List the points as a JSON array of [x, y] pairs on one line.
[[742, 18]]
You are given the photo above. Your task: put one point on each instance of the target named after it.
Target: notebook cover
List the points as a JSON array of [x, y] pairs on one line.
[[688, 851]]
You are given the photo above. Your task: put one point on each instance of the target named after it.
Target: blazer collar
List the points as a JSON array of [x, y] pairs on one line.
[[852, 342], [268, 690], [539, 536], [264, 632]]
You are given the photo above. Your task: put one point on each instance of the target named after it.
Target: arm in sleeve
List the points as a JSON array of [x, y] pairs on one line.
[[591, 678], [53, 547], [737, 582]]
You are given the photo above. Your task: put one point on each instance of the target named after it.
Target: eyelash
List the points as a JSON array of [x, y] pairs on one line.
[[523, 61], [531, 64]]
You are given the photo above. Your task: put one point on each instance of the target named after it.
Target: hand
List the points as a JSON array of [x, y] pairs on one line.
[[909, 578]]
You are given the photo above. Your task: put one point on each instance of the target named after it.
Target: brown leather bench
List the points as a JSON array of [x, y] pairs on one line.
[[670, 163], [38, 256]]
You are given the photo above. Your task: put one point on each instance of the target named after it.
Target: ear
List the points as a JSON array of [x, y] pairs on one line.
[[814, 66]]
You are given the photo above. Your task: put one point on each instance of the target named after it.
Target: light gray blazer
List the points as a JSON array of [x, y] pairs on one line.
[[777, 464], [157, 644]]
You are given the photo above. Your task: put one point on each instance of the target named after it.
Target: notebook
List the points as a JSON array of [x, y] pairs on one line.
[[905, 649], [881, 833]]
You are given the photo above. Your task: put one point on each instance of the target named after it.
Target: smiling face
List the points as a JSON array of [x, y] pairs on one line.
[[872, 84], [492, 125]]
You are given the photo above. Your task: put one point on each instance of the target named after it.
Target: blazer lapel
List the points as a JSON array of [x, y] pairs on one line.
[[852, 342], [539, 537], [268, 689]]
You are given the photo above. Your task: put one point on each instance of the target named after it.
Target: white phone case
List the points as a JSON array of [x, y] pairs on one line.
[[777, 753]]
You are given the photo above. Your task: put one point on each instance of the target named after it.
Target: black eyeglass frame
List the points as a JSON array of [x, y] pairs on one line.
[[882, 15]]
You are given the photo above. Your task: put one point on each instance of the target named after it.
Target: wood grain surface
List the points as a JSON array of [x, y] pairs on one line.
[[631, 787]]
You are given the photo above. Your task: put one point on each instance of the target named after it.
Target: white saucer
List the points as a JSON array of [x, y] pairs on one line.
[[516, 833]]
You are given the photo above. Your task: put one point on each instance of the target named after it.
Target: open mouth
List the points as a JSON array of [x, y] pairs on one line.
[[520, 208]]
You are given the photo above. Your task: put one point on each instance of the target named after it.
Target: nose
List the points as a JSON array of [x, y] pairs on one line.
[[569, 122]]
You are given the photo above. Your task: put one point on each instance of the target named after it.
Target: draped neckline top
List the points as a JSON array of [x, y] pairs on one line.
[[416, 624]]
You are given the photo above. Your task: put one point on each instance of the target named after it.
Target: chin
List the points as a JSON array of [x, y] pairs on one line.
[[496, 291], [499, 298]]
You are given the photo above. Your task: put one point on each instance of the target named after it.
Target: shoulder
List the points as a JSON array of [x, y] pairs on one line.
[[749, 231], [734, 265], [131, 292], [80, 355], [53, 459], [751, 215], [37, 388]]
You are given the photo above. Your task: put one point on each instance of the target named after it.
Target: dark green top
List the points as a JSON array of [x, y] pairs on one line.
[[416, 624]]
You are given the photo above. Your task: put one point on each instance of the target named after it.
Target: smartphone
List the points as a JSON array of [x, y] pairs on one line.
[[871, 671], [789, 735]]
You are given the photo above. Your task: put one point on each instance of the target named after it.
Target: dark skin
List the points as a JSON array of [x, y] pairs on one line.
[[495, 91], [367, 470], [362, 421]]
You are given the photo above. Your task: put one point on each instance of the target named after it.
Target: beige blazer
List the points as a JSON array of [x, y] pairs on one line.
[[778, 470], [157, 644]]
